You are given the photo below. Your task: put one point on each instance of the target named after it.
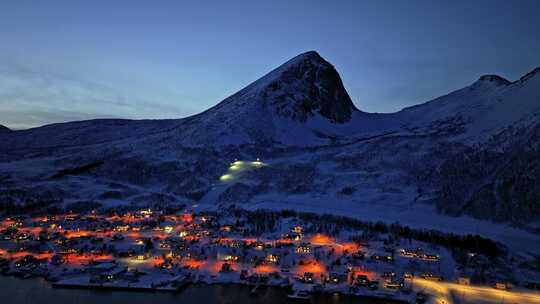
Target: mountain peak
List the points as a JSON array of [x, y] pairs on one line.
[[302, 87], [493, 79], [310, 55]]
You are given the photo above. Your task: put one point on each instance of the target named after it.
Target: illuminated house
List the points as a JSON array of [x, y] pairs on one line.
[[226, 255], [272, 259], [142, 256], [303, 249], [225, 228], [121, 228], [108, 276], [307, 277], [335, 278], [297, 229], [430, 257], [259, 245]]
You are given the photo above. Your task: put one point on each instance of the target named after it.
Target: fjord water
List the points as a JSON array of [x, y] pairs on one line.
[[38, 291]]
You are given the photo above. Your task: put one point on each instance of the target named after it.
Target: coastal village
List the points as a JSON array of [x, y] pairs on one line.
[[164, 251]]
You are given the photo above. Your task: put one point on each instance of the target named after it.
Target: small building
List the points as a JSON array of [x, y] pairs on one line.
[[336, 278], [502, 286], [362, 280], [303, 249], [297, 229], [308, 277], [142, 256], [431, 277], [272, 258], [430, 257], [393, 284], [112, 275]]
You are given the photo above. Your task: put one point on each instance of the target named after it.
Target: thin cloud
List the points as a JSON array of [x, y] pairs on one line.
[[30, 98]]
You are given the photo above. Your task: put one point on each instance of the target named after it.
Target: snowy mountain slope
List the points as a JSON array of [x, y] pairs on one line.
[[484, 108], [82, 133], [322, 153]]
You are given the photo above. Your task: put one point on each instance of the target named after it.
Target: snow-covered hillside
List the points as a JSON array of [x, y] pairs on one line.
[[485, 108], [321, 153]]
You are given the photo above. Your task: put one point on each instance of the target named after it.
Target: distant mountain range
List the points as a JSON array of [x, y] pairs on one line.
[[471, 152]]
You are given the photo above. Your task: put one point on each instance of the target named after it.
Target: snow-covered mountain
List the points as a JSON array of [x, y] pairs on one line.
[[303, 87], [484, 108], [434, 164], [303, 103]]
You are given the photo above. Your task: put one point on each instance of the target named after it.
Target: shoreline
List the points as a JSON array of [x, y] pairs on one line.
[[180, 289], [115, 288]]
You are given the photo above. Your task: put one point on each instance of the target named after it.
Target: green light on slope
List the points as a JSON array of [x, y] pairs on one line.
[[237, 167]]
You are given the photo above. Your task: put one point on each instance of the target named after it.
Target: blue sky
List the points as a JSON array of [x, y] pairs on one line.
[[72, 60]]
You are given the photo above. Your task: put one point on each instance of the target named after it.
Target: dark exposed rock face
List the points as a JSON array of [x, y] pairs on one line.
[[496, 79], [4, 129], [301, 87], [310, 84]]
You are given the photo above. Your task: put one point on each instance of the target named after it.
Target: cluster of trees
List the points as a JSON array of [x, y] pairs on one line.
[[469, 242], [260, 221], [78, 170], [267, 220], [29, 206], [499, 180], [496, 180]]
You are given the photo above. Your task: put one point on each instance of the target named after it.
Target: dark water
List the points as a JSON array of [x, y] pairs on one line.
[[38, 291]]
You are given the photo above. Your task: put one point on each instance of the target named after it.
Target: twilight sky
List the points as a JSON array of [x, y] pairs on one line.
[[73, 60]]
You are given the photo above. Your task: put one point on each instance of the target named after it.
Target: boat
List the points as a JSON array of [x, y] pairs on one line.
[[300, 295]]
